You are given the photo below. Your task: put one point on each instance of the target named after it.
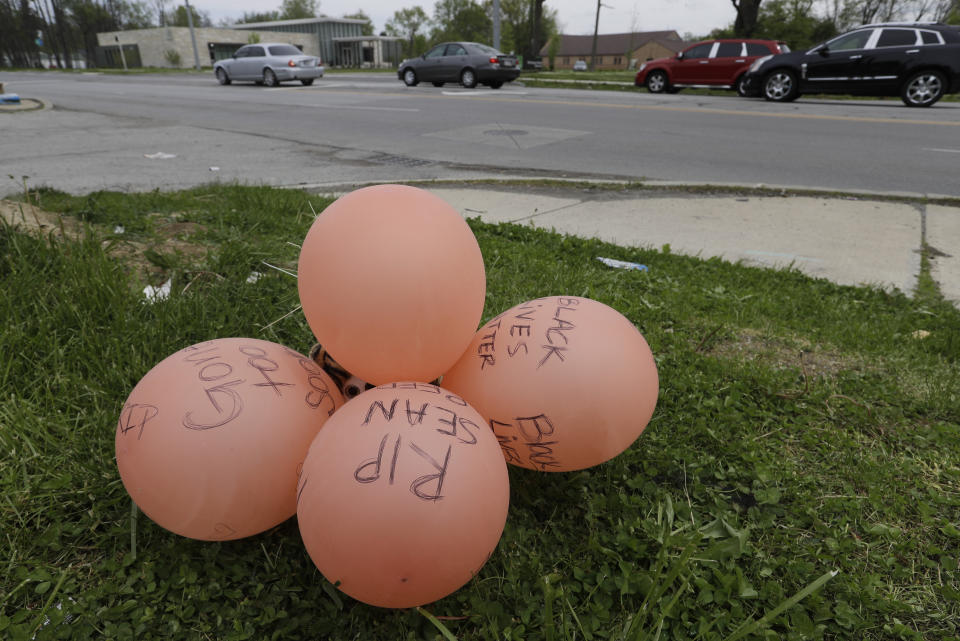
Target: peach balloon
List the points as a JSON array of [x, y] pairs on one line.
[[392, 283], [565, 382], [210, 442], [403, 495]]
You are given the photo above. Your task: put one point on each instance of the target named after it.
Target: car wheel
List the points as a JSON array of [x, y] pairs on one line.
[[439, 84], [923, 88], [496, 84], [222, 76], [781, 86], [740, 86], [468, 78], [306, 82], [270, 78], [410, 77], [656, 82]]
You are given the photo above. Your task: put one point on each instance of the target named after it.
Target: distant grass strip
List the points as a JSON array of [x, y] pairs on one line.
[[803, 428]]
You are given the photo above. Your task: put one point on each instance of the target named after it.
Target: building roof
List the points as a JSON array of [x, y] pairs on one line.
[[613, 43], [367, 38], [284, 23]]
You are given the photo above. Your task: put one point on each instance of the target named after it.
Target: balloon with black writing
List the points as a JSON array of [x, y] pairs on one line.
[[403, 495], [565, 382], [210, 441]]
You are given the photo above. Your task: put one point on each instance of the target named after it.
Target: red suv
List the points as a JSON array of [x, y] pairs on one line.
[[711, 63]]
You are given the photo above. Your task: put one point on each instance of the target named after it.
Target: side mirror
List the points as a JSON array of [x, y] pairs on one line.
[[680, 56], [824, 51]]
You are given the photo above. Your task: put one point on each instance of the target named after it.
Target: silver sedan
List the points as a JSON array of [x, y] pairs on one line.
[[268, 63]]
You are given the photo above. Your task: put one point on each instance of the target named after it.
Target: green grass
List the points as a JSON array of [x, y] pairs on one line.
[[801, 430]]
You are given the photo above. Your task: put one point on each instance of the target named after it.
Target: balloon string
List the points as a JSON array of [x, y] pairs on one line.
[[349, 385]]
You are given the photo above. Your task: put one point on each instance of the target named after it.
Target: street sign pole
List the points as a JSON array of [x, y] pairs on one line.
[[193, 37], [122, 57]]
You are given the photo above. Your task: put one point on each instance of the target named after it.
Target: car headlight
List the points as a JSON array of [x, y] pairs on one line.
[[759, 62]]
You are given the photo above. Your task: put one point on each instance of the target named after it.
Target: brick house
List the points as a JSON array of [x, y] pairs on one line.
[[615, 51]]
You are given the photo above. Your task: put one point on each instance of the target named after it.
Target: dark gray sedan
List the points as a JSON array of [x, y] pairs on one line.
[[468, 63], [268, 63]]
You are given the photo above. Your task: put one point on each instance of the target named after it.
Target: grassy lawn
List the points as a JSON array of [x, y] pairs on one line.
[[805, 445]]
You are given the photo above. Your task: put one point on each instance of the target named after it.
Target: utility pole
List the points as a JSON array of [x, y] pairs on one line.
[[193, 37], [596, 26], [496, 24]]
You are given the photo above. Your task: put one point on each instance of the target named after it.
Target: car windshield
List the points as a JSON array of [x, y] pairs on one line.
[[284, 50]]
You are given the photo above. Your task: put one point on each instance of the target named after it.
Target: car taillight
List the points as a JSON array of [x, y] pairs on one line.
[[494, 60], [291, 63], [319, 62]]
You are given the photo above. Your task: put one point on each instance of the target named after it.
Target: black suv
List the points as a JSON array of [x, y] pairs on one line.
[[920, 62]]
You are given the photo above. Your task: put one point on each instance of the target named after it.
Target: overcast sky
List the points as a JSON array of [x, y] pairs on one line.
[[698, 17]]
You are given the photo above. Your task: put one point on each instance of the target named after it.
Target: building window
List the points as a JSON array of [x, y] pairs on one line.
[[617, 60]]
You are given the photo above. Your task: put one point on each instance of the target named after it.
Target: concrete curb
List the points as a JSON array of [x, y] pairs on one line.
[[703, 189], [26, 104]]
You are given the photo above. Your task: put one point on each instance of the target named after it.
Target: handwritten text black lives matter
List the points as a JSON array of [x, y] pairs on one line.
[[530, 435], [408, 414], [222, 386]]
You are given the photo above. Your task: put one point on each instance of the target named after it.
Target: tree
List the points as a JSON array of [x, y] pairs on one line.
[[515, 25], [536, 28], [19, 24], [407, 24], [161, 7], [953, 14], [263, 16], [360, 15], [461, 20], [747, 13], [794, 22], [179, 17], [296, 9]]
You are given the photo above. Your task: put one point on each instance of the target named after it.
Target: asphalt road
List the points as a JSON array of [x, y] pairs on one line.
[[356, 127]]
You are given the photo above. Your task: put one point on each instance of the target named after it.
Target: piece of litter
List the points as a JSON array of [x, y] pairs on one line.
[[214, 169], [920, 334], [622, 264], [67, 619], [254, 277], [118, 229], [9, 98], [159, 156], [157, 294]]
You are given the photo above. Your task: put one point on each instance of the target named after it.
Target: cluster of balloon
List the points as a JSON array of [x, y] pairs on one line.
[[565, 382], [210, 442], [402, 496]]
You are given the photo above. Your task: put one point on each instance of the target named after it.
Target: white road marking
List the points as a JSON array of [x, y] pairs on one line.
[[471, 92], [369, 108], [321, 85], [945, 151]]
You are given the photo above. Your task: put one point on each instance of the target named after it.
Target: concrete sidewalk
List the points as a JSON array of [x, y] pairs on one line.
[[848, 241]]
